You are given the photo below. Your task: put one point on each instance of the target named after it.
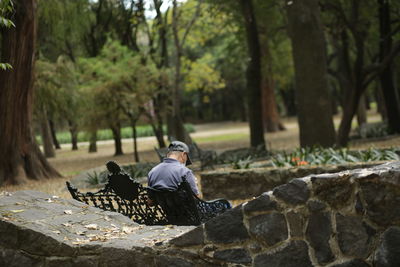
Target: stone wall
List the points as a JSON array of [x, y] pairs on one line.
[[345, 219], [248, 183]]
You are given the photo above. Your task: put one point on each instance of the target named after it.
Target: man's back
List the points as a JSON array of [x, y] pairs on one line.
[[169, 173]]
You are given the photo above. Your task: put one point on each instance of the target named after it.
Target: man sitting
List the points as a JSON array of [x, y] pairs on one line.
[[168, 174]]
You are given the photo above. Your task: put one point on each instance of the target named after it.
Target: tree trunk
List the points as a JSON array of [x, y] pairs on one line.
[[354, 90], [73, 129], [54, 135], [381, 107], [47, 141], [253, 76], [174, 118], [362, 111], [309, 54], [93, 141], [134, 137], [21, 157], [386, 78], [271, 118], [116, 131]]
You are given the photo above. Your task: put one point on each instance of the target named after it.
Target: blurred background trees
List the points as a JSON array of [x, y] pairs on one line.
[[109, 64]]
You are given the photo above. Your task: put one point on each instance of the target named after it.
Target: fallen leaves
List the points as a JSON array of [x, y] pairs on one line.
[[17, 211], [92, 226], [5, 193]]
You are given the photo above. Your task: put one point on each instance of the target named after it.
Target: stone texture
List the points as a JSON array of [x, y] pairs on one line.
[[262, 203], [192, 238], [318, 233], [335, 191], [353, 263], [15, 258], [359, 206], [264, 232], [294, 255], [296, 223], [165, 261], [295, 192], [259, 180], [238, 255], [269, 228], [227, 228], [388, 252], [314, 206], [382, 202], [352, 235]]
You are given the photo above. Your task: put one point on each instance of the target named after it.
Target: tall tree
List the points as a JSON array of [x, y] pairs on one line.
[[176, 128], [351, 25], [309, 54], [386, 77], [265, 16], [253, 75], [22, 158]]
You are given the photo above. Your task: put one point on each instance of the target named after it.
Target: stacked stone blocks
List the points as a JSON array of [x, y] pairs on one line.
[[342, 219]]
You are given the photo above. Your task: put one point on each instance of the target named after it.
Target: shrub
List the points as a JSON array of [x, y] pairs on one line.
[[318, 156]]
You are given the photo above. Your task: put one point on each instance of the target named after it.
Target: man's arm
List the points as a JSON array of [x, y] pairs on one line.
[[192, 180]]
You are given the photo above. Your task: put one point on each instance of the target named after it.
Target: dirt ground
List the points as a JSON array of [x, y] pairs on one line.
[[216, 136]]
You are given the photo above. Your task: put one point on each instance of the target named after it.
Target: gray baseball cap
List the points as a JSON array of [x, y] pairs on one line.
[[182, 147]]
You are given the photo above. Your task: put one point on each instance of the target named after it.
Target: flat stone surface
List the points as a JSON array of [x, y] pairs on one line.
[[388, 251], [43, 225], [318, 233], [352, 235], [227, 227], [295, 192], [269, 228], [295, 254]]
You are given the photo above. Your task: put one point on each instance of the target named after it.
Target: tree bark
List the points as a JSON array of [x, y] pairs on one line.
[[253, 76], [116, 131], [386, 77], [362, 111], [47, 141], [54, 135], [134, 137], [73, 129], [176, 128], [381, 107], [271, 118], [93, 141], [309, 54], [22, 158]]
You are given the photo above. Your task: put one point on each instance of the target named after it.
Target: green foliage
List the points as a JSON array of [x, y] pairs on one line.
[[6, 7], [116, 84], [137, 170], [320, 156], [373, 130], [5, 66], [202, 75], [64, 137], [93, 178], [242, 163]]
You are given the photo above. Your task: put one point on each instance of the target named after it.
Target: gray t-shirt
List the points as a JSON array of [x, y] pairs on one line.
[[168, 174]]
